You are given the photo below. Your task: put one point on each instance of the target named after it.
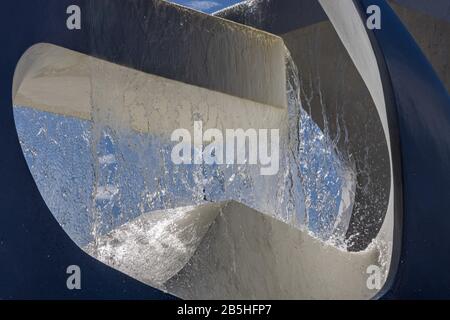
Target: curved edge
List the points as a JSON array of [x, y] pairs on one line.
[[419, 108], [396, 167], [348, 23]]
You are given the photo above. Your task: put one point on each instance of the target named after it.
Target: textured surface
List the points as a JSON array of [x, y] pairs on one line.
[[233, 252], [65, 82], [431, 32], [336, 97], [194, 48], [155, 246]]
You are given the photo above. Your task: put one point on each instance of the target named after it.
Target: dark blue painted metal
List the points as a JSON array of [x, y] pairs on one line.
[[34, 249], [418, 107]]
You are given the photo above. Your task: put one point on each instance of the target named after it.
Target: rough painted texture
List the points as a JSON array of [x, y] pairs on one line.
[[432, 35], [439, 9]]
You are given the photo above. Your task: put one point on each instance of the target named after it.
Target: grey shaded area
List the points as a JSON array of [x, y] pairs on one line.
[[334, 94], [229, 251], [337, 99], [193, 48]]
